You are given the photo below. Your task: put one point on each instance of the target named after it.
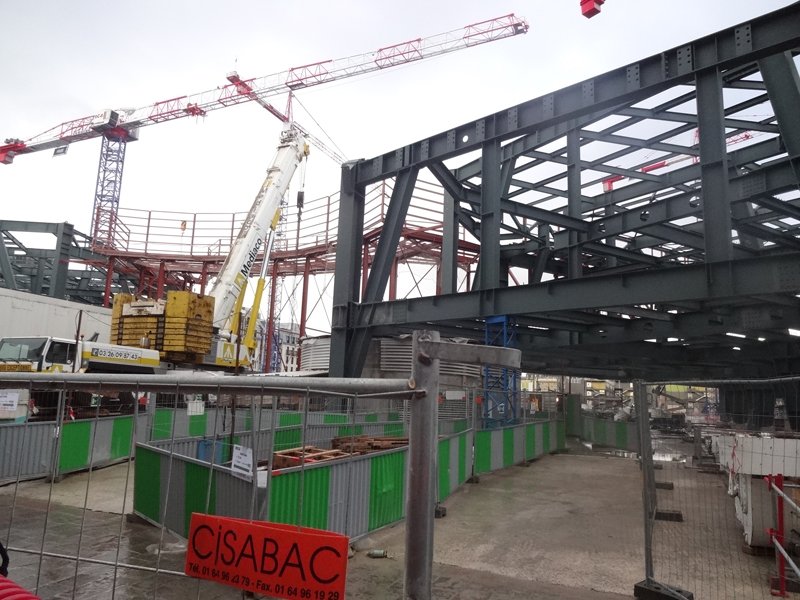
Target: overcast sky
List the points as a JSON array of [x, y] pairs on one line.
[[64, 60]]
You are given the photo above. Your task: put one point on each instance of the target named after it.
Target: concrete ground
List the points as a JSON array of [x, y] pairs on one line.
[[565, 527], [526, 532]]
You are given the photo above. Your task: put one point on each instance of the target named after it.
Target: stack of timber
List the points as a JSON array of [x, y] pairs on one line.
[[295, 457], [179, 327], [364, 444]]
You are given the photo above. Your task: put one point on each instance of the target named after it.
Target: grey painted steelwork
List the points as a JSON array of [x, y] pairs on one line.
[[637, 262], [200, 382]]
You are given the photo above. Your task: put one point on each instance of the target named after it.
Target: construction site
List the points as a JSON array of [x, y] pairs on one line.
[[543, 342]]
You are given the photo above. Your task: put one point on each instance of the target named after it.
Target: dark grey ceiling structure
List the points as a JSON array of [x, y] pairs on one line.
[[53, 270], [655, 209]]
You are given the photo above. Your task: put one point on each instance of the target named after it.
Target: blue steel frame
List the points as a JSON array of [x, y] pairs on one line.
[[501, 395]]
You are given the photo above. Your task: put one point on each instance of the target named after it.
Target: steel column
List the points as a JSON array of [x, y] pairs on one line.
[[5, 266], [303, 310], [162, 276], [58, 277], [714, 167], [491, 218], [574, 200], [450, 244], [347, 275], [382, 264], [109, 279], [422, 460]]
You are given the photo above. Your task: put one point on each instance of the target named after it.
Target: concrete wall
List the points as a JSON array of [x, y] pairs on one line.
[[26, 314]]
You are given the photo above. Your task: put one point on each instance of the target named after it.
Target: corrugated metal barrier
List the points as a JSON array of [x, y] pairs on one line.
[[27, 449], [353, 496], [503, 447], [623, 435]]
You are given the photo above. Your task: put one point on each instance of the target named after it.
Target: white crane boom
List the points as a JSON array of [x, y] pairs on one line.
[[127, 121], [258, 228]]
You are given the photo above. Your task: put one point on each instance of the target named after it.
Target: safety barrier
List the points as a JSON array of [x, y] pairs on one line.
[[499, 448], [352, 496], [623, 435], [28, 449], [455, 462]]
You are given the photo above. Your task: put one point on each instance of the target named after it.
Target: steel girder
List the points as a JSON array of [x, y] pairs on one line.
[[648, 227]]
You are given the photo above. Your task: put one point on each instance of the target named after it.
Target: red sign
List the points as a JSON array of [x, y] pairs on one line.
[[282, 561]]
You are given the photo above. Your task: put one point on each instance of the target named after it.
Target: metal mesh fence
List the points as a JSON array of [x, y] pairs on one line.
[[712, 519], [91, 535]]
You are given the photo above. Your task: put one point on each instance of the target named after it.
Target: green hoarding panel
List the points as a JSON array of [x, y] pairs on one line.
[[287, 438], [546, 436], [600, 432], [287, 419], [386, 489], [508, 447], [530, 441], [328, 419], [562, 436], [285, 494], [345, 431], [75, 441], [196, 493], [371, 418], [393, 429], [197, 424], [622, 435], [444, 469], [460, 426], [162, 424], [284, 498], [121, 433], [483, 451], [147, 484], [394, 416], [462, 458]]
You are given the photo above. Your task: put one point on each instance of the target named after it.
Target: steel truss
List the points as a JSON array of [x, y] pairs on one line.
[[654, 209]]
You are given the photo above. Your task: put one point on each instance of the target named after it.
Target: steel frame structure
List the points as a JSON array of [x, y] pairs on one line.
[[640, 277]]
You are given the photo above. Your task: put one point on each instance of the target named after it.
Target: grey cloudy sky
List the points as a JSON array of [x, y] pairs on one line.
[[63, 60]]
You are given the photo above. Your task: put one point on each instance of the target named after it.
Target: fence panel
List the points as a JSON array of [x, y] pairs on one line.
[[711, 519], [500, 448]]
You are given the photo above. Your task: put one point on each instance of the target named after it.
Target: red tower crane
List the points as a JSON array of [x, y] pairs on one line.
[[117, 127]]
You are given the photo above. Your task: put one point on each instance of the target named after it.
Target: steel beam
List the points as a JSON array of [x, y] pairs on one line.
[[778, 31], [783, 87], [768, 274]]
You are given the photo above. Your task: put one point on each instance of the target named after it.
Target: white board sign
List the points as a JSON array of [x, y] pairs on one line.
[[9, 400], [242, 464]]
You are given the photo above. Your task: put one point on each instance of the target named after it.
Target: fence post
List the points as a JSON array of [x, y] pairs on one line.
[[422, 449], [649, 589]]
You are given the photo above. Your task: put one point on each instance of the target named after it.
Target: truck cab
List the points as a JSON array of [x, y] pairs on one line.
[[44, 354]]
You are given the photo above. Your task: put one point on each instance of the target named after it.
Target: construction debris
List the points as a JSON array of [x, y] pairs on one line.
[[365, 444]]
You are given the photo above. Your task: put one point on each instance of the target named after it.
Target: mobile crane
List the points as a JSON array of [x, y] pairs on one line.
[[228, 347]]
